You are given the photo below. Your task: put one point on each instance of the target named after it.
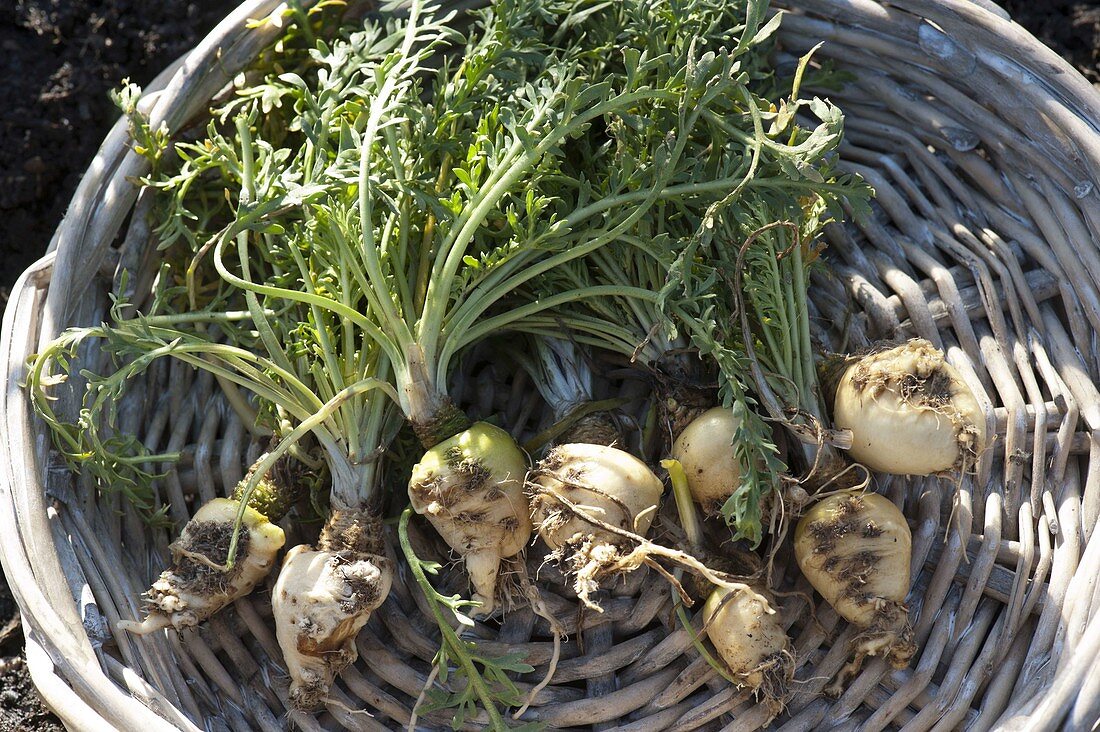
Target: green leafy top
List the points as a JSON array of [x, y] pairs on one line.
[[740, 286], [432, 195], [737, 162]]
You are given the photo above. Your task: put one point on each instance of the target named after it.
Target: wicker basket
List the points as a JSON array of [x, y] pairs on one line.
[[984, 149]]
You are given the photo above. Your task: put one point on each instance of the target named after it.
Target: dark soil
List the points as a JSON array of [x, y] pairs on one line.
[[59, 58], [20, 708], [1070, 27]]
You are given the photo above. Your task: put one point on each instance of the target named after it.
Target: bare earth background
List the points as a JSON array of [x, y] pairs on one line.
[[58, 59]]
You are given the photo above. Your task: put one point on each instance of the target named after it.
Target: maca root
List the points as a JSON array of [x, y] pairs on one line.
[[199, 584], [743, 626], [910, 411], [927, 386], [855, 549], [324, 597], [470, 488]]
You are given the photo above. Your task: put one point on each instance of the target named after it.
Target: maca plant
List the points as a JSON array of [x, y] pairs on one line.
[[368, 207]]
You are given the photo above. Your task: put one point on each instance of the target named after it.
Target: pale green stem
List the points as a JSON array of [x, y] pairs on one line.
[[509, 172], [810, 394], [361, 321], [685, 506], [307, 425], [202, 316], [791, 328], [502, 321]]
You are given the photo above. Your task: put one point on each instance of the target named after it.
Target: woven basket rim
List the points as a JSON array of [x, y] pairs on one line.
[[65, 665]]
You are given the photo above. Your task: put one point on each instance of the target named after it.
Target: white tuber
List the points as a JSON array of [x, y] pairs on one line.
[[910, 412], [324, 597], [705, 450], [578, 482], [197, 585], [855, 549], [745, 631], [470, 487]]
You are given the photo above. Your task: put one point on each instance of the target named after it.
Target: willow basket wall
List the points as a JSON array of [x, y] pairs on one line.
[[984, 149]]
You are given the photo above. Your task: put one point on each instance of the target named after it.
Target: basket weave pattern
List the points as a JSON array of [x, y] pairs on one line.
[[984, 151]]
